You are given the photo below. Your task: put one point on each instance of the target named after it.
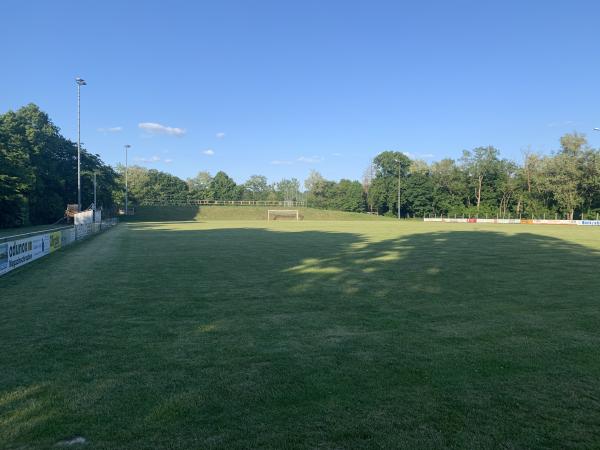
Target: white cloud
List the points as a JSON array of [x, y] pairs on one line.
[[157, 128], [168, 161], [209, 152], [560, 124], [310, 159], [408, 154], [427, 155], [152, 159], [279, 162], [110, 129], [336, 154], [220, 135]]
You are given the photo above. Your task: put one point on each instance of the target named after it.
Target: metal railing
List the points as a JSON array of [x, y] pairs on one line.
[[167, 202]]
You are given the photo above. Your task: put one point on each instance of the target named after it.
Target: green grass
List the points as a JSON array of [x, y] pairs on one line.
[[185, 213], [330, 334], [6, 232]]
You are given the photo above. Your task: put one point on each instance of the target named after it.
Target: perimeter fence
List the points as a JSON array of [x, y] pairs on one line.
[[20, 249]]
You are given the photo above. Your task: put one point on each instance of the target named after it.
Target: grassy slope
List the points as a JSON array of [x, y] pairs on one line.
[[22, 230], [305, 335], [167, 213]]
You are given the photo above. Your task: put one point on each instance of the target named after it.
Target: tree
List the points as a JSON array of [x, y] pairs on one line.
[[450, 189], [38, 168], [316, 187], [348, 195], [222, 187], [479, 164], [562, 177], [256, 188], [419, 190], [507, 185], [367, 181], [590, 180], [573, 143], [288, 190], [199, 186], [390, 169], [16, 176]]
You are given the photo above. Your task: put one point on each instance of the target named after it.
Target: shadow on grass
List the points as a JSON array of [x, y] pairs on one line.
[[247, 337], [164, 214]]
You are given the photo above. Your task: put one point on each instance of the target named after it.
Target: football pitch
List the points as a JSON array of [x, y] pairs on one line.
[[311, 334]]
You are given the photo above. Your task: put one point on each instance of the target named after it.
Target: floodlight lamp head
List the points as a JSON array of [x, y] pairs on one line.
[[127, 146], [80, 81], [596, 129]]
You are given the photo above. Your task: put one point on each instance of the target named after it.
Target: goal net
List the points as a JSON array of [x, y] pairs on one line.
[[283, 214]]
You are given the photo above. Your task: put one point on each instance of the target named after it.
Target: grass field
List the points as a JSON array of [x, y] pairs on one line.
[[314, 334], [8, 232], [185, 213]]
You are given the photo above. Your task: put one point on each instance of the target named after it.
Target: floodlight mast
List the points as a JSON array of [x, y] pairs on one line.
[[399, 172], [95, 191], [127, 147], [80, 82]]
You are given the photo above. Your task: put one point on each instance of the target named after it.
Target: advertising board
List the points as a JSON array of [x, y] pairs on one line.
[[55, 241], [3, 257], [14, 254], [84, 217]]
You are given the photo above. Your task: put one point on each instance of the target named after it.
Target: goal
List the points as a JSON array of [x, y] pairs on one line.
[[279, 214]]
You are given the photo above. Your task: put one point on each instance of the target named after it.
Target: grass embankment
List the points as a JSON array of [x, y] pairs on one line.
[[183, 213], [244, 334], [5, 232]]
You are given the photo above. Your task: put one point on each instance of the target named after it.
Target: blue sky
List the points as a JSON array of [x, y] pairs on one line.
[[281, 87]]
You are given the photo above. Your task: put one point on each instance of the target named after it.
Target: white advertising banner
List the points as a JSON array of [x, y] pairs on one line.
[[84, 217], [457, 220], [67, 237], [17, 253], [511, 221], [517, 221], [14, 254], [3, 257], [83, 230], [553, 222]]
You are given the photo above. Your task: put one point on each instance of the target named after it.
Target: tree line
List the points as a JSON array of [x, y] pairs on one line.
[[38, 169], [564, 184], [154, 187]]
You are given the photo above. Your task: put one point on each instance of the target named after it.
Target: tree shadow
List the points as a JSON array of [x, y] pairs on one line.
[[252, 337], [164, 214]]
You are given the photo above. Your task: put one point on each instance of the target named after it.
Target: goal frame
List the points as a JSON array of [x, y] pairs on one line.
[[293, 211]]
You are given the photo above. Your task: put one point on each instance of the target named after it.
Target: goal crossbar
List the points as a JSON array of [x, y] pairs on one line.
[[273, 214]]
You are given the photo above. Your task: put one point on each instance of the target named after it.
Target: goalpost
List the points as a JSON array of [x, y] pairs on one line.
[[276, 214]]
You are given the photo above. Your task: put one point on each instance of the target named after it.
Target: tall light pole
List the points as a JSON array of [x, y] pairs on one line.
[[95, 191], [127, 147], [399, 172], [80, 82]]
